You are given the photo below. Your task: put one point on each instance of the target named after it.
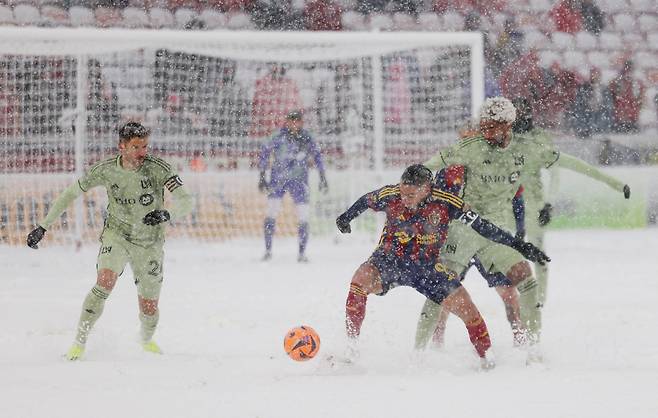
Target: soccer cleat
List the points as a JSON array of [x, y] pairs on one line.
[[301, 258], [534, 355], [151, 347], [267, 256], [75, 352], [487, 362]]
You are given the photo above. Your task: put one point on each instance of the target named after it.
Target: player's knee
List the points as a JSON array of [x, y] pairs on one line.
[[519, 272], [366, 277], [148, 306], [106, 279]]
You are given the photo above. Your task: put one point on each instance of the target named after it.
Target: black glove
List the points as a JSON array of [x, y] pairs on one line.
[[343, 224], [156, 217], [262, 183], [35, 236], [520, 235], [530, 252], [627, 192], [324, 186], [545, 214]]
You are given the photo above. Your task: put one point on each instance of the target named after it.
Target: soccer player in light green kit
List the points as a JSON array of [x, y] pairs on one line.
[[133, 231], [496, 163]]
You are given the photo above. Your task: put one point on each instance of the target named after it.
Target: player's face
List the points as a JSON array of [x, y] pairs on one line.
[[294, 125], [133, 151], [496, 133], [412, 195]]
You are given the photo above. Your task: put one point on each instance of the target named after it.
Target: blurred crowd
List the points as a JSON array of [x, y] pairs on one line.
[[584, 100]]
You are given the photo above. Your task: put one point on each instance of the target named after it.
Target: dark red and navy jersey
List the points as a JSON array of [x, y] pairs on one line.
[[417, 234]]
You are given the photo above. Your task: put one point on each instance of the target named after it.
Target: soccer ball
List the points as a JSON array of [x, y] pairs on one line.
[[301, 343]]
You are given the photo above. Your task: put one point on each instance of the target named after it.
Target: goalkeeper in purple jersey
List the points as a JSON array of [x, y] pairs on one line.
[[290, 150], [133, 232]]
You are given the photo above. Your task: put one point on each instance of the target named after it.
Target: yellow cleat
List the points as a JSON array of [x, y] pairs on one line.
[[151, 347], [75, 352]]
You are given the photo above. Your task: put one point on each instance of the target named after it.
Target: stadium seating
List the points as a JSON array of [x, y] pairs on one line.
[[213, 19], [161, 18], [81, 16], [27, 15], [6, 16], [135, 18], [53, 15]]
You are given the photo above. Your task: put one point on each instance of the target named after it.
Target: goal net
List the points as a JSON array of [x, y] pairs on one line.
[[374, 102]]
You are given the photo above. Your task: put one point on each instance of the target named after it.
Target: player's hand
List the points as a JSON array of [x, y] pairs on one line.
[[627, 192], [156, 217], [343, 224], [530, 252], [262, 183], [545, 214], [520, 235], [35, 236], [324, 186]]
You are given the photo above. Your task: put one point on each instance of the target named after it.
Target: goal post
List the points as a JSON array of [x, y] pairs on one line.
[[374, 102]]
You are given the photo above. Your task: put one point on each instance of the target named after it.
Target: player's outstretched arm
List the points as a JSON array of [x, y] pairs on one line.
[[343, 221], [59, 206], [575, 164], [495, 234]]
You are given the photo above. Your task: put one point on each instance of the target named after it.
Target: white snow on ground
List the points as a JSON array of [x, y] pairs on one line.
[[224, 314]]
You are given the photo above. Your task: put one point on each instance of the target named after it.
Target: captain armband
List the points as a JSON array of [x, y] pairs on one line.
[[468, 217], [173, 183]]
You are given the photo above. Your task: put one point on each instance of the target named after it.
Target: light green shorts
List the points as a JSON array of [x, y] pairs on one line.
[[146, 263], [464, 243]]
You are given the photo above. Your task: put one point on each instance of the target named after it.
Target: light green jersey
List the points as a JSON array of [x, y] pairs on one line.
[[131, 195], [538, 140], [493, 174]]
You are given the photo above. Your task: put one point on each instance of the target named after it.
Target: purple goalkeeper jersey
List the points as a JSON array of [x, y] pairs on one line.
[[291, 157]]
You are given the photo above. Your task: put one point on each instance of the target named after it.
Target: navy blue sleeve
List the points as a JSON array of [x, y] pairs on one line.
[[518, 206], [487, 229], [377, 200]]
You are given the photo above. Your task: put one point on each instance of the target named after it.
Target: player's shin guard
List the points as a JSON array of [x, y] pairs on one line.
[[530, 308], [268, 228], [427, 322], [149, 323], [355, 310], [92, 308], [479, 336], [302, 231]]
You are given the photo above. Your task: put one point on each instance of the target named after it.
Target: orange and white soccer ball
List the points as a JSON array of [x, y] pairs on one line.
[[301, 343]]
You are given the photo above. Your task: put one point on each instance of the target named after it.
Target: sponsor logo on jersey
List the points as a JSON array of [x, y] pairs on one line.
[[146, 199], [147, 184], [125, 200], [493, 178]]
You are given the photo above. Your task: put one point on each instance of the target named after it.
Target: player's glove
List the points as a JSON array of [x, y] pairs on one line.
[[627, 192], [156, 217], [520, 235], [262, 183], [343, 224], [530, 252], [545, 214], [324, 186], [35, 236]]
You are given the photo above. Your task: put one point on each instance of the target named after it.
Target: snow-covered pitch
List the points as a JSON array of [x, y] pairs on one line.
[[224, 314]]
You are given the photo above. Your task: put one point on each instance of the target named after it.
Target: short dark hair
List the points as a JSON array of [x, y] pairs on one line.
[[133, 130], [417, 175], [294, 115]]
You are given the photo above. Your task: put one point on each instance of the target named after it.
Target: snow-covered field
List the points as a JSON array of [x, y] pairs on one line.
[[224, 314]]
